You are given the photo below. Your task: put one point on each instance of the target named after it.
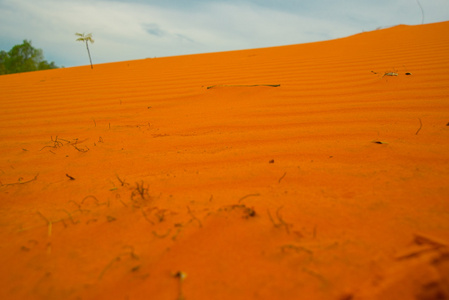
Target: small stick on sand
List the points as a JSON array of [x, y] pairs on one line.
[[122, 182], [79, 149], [91, 196], [108, 266], [249, 195], [181, 275], [70, 177], [421, 239], [146, 217], [286, 248], [242, 85], [161, 236], [323, 280], [280, 219], [282, 177], [70, 217], [131, 252], [20, 182], [420, 126], [77, 204], [49, 223], [193, 217]]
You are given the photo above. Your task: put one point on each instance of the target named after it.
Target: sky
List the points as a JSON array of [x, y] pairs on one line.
[[137, 29]]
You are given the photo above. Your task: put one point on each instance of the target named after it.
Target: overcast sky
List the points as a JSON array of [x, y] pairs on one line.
[[136, 29]]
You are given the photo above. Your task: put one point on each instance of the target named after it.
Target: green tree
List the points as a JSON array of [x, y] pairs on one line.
[[86, 38], [3, 57], [23, 58]]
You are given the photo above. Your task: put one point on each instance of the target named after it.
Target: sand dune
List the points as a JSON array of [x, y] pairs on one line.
[[312, 171]]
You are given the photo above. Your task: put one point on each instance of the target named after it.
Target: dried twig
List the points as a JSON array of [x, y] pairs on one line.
[[324, 281], [141, 189], [193, 217], [49, 223], [420, 126], [146, 217], [286, 248], [93, 197], [57, 144], [118, 258], [282, 177], [131, 251], [181, 275], [77, 204], [70, 217], [424, 244], [246, 196], [122, 182], [161, 236], [280, 219], [421, 239], [243, 85], [108, 266], [20, 182]]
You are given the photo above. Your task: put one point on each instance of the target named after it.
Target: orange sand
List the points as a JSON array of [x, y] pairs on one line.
[[334, 185]]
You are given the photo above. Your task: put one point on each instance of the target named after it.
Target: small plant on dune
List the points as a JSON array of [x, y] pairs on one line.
[[281, 223], [86, 38], [142, 191]]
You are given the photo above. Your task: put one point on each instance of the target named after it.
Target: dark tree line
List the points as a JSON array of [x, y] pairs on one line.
[[23, 58]]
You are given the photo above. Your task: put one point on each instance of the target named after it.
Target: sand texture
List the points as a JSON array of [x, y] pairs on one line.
[[312, 171]]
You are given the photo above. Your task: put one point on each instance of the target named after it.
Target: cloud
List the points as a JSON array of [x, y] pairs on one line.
[[134, 29], [154, 29]]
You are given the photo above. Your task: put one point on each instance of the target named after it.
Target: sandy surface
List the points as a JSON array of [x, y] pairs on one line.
[[198, 177]]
